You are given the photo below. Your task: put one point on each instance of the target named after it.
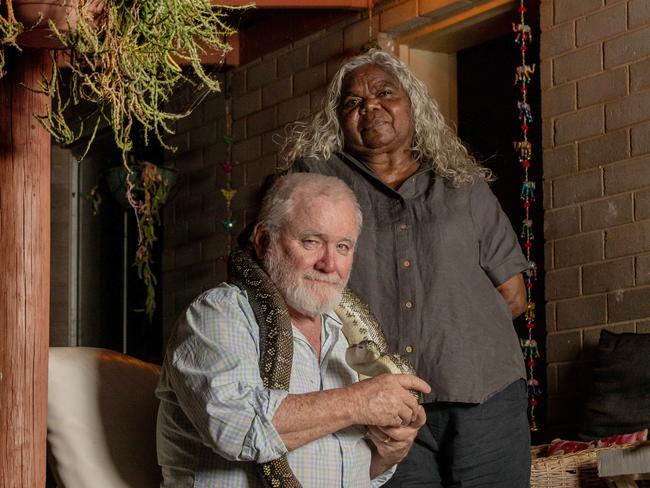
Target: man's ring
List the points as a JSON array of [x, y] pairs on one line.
[[386, 440]]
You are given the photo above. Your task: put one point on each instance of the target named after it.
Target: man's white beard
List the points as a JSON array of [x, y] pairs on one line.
[[304, 292]]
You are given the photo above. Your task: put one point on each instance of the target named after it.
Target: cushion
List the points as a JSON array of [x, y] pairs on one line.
[[620, 397], [101, 419], [561, 446]]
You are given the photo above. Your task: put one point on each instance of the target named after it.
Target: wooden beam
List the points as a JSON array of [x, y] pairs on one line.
[[345, 4], [25, 275]]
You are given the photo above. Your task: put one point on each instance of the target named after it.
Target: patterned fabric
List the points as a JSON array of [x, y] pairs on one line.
[[215, 416]]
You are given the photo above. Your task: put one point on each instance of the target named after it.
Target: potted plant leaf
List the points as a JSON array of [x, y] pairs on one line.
[[124, 59]]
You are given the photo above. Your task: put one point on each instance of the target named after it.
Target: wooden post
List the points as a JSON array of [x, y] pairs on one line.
[[24, 272]]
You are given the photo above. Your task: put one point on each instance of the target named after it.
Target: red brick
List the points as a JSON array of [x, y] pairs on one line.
[[309, 79], [626, 48], [238, 82], [627, 175], [580, 312], [548, 133], [356, 35], [326, 48], [563, 346], [402, 17], [551, 379], [630, 110], [629, 304], [557, 40], [638, 13], [560, 161], [547, 194], [601, 25], [580, 125], [561, 223], [247, 150], [559, 100], [188, 254], [606, 213], [564, 283], [608, 276], [549, 255], [577, 64], [546, 15], [257, 171], [261, 74], [293, 109], [277, 91], [261, 122], [581, 249], [293, 61], [584, 186], [200, 227], [640, 75], [247, 104], [628, 239], [569, 10], [640, 139], [550, 316], [603, 87], [643, 269], [604, 149], [546, 74], [271, 141], [642, 205]]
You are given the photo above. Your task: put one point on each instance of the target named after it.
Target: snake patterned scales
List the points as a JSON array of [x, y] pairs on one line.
[[368, 353]]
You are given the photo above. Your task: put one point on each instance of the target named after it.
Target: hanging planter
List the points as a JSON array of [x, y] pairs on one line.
[[38, 17], [151, 185]]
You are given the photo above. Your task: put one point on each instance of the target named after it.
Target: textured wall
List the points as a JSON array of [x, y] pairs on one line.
[[595, 76]]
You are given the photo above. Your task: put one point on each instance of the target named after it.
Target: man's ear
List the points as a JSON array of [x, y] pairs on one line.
[[260, 241]]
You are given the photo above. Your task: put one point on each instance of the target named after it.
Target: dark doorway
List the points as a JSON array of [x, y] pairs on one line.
[[488, 123]]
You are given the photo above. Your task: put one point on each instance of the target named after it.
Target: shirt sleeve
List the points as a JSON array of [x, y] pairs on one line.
[[212, 365], [383, 477], [500, 254]]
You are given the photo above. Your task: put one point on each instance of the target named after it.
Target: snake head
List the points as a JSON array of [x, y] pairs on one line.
[[363, 352]]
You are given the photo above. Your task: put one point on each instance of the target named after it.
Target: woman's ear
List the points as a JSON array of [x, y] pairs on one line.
[[260, 241]]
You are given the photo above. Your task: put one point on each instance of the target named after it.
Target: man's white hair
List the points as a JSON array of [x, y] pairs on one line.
[[291, 190]]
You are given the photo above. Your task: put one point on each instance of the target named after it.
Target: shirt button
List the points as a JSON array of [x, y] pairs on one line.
[[403, 226], [408, 348], [408, 304], [406, 263]]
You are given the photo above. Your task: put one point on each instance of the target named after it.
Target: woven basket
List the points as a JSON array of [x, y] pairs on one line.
[[575, 470]]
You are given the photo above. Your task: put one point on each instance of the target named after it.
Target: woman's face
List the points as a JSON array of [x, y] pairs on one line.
[[375, 113]]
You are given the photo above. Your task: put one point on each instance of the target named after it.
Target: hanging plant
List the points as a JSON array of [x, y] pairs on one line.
[[150, 185], [10, 29], [124, 59]]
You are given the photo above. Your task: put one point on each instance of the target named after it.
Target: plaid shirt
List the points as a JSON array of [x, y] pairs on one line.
[[215, 416]]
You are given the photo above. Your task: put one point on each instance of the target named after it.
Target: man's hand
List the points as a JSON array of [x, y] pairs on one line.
[[392, 444], [386, 400]]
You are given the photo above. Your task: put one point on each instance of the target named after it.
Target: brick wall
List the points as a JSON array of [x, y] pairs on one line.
[[595, 76]]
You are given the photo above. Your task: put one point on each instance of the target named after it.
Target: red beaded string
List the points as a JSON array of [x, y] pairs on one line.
[[523, 147]]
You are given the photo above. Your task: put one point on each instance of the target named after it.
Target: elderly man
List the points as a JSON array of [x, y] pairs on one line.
[[438, 263], [217, 421]]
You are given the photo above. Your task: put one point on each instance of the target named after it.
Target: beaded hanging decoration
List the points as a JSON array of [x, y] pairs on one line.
[[228, 192], [523, 148]]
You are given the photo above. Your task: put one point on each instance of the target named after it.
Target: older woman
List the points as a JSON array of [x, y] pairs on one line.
[[437, 261]]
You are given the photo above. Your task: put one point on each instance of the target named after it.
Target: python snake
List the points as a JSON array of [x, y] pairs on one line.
[[368, 352]]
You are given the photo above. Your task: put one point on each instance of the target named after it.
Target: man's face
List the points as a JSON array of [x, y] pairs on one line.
[[375, 112], [310, 262]]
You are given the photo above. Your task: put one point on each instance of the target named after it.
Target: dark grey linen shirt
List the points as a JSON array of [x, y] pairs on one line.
[[427, 263]]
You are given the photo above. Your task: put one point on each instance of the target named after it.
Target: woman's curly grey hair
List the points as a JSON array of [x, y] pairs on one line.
[[434, 142]]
